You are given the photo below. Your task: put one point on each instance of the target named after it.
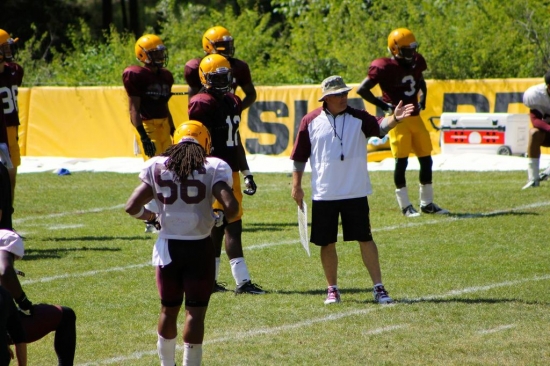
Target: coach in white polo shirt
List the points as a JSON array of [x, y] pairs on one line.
[[334, 139]]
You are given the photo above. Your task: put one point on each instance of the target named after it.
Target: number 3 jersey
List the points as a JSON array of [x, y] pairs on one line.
[[398, 82], [185, 207]]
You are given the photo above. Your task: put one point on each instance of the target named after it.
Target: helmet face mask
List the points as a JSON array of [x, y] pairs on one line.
[[194, 132], [402, 45], [218, 40], [215, 73], [150, 50], [7, 46]]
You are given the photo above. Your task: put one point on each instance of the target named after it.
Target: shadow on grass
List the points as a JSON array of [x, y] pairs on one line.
[[262, 226], [368, 297], [467, 215], [35, 254]]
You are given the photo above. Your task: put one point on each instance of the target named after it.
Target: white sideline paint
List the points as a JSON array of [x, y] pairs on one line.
[[231, 337], [497, 329], [269, 164]]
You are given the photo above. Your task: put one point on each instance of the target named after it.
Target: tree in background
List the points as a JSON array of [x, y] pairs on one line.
[[283, 41]]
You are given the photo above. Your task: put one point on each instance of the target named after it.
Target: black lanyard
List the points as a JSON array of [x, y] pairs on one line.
[[341, 136]]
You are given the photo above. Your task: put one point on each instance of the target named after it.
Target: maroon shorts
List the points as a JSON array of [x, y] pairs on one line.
[[190, 274], [46, 319]]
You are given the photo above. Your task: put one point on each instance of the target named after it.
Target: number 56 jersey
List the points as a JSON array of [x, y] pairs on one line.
[[185, 207]]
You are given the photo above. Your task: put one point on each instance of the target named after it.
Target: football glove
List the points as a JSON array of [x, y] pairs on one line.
[[218, 217], [250, 185], [25, 305], [389, 108], [155, 222], [148, 147], [422, 105]]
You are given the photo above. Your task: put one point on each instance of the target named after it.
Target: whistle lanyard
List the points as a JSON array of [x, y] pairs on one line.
[[339, 136]]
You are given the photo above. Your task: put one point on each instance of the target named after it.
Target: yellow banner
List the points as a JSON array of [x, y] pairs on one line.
[[93, 122]]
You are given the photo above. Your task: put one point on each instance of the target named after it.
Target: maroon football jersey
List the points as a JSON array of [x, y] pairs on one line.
[[239, 70], [154, 89], [221, 117], [398, 82], [10, 80]]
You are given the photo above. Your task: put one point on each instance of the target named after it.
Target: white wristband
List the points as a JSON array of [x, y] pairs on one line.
[[246, 172], [139, 213]]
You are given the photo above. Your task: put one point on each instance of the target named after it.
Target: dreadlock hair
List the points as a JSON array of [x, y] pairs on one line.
[[184, 158]]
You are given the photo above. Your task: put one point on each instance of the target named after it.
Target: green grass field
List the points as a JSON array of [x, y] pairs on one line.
[[472, 288]]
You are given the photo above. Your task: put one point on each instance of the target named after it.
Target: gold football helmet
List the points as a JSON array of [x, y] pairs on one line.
[[402, 45], [150, 50], [215, 73], [218, 40], [6, 46], [194, 131]]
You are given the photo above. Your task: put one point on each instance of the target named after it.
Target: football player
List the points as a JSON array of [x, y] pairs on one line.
[[218, 40], [41, 319], [220, 111], [537, 99], [184, 182], [11, 78], [149, 89], [400, 78], [10, 324]]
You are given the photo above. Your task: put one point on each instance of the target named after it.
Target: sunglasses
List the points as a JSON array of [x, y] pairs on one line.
[[340, 95]]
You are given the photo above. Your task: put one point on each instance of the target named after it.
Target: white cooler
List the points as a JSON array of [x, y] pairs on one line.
[[490, 133]]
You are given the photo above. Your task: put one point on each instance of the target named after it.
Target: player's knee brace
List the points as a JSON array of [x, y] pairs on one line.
[[171, 304], [425, 174], [399, 172]]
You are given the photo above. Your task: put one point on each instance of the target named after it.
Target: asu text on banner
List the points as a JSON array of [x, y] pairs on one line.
[[93, 122]]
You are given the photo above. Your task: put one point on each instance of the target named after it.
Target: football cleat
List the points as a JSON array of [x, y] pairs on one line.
[[249, 288], [219, 287], [545, 174], [381, 295], [432, 208], [532, 184], [409, 211], [333, 296]]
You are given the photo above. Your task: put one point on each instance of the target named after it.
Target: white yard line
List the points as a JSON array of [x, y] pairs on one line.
[[62, 214], [232, 337], [256, 246], [497, 329]]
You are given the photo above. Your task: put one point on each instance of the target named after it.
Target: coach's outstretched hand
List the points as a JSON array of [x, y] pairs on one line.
[[402, 111], [250, 185]]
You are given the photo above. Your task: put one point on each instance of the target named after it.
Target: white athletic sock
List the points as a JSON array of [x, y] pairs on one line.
[[402, 196], [217, 268], [167, 351], [426, 194], [239, 270], [533, 169], [192, 354]]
